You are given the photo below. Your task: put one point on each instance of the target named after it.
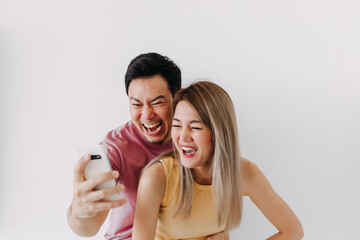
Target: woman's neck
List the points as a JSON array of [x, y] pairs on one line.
[[202, 175]]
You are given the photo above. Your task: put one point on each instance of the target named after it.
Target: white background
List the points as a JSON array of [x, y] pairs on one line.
[[292, 69]]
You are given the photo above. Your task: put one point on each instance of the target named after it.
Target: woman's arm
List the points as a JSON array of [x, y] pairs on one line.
[[274, 208], [150, 194]]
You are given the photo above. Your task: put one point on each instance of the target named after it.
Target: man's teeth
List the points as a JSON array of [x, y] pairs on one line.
[[188, 150], [152, 127]]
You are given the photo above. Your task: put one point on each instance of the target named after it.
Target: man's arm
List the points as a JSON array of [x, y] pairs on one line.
[[88, 212]]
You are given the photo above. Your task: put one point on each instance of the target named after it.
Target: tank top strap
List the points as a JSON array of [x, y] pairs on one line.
[[172, 180]]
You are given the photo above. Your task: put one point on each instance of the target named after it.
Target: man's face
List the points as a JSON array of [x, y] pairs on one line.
[[151, 108]]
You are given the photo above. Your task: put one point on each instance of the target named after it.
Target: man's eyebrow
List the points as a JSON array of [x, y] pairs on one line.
[[158, 97], [132, 98]]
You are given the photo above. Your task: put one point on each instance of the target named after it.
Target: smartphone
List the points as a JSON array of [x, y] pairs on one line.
[[99, 163]]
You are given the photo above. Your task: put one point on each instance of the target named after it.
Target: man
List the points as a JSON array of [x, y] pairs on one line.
[[151, 82]]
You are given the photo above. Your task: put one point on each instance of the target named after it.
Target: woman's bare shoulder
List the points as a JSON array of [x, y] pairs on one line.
[[248, 168], [249, 171], [154, 175]]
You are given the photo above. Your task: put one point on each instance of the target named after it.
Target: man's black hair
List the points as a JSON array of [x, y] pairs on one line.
[[151, 64]]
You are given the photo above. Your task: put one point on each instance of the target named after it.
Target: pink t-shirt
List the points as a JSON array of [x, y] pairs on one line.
[[129, 152]]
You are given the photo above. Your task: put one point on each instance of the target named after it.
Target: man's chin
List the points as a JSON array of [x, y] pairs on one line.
[[157, 143], [156, 140]]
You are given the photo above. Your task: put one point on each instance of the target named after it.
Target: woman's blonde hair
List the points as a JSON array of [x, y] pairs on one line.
[[216, 111]]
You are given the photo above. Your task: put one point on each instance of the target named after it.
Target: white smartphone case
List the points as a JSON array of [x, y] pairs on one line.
[[99, 163]]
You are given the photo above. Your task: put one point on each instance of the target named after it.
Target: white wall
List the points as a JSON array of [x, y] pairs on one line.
[[291, 67]]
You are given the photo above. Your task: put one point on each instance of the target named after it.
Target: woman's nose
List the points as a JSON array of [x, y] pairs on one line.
[[185, 135]]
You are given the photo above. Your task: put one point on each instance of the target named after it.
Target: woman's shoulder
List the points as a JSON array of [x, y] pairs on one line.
[[249, 172], [169, 162], [158, 169], [153, 175], [161, 178], [248, 167]]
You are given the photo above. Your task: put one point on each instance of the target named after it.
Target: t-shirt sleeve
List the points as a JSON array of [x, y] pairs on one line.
[[114, 153]]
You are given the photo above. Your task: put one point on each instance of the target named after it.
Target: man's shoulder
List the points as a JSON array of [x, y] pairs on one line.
[[121, 138], [120, 142], [128, 139], [124, 132]]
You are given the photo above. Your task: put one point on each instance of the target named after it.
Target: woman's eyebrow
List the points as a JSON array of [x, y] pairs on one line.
[[192, 121], [195, 121]]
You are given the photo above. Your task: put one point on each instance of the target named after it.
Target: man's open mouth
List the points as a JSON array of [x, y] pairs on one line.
[[152, 129]]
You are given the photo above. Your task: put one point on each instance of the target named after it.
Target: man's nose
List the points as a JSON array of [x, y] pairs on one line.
[[147, 112]]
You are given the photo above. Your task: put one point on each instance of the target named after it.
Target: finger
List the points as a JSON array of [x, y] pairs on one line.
[[219, 236], [107, 192], [211, 237], [79, 167], [107, 205], [94, 181]]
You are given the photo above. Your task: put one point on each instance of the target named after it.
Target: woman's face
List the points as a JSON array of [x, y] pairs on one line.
[[191, 137]]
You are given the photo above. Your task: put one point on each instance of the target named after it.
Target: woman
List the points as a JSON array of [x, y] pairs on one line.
[[197, 190]]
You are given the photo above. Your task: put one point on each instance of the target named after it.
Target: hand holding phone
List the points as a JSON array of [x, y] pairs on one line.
[[98, 164]]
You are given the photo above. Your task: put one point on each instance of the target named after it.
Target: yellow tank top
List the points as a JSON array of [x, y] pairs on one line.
[[203, 217]]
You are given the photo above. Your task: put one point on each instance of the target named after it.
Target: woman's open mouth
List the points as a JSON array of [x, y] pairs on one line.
[[188, 151]]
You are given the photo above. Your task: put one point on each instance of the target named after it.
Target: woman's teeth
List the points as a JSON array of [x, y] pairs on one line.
[[188, 150]]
